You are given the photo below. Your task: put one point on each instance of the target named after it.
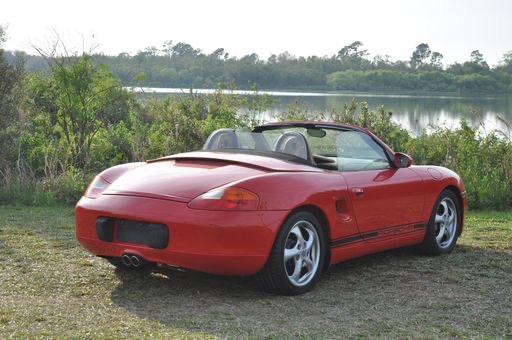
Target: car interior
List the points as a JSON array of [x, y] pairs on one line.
[[349, 151]]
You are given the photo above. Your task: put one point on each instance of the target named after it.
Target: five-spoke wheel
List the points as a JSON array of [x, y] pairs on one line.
[[444, 225], [297, 257], [445, 222], [302, 253]]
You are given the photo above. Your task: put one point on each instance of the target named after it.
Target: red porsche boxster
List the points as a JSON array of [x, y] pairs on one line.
[[283, 201]]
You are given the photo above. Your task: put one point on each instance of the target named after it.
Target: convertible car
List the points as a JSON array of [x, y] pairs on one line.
[[283, 201]]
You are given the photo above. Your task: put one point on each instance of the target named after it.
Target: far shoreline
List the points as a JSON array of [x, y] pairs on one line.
[[299, 93]]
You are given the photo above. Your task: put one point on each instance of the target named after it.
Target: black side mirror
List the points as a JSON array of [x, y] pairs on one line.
[[402, 160]]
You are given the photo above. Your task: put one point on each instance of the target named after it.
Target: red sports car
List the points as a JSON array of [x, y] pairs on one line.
[[283, 201]]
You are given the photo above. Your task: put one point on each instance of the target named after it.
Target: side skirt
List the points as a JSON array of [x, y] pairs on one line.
[[380, 234], [369, 242]]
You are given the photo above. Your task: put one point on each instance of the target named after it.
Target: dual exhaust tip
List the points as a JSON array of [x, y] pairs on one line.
[[131, 260]]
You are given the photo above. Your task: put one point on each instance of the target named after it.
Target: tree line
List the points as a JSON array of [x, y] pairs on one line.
[[350, 69], [59, 128]]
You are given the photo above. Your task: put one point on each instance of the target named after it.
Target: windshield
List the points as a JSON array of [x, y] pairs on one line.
[[332, 149]]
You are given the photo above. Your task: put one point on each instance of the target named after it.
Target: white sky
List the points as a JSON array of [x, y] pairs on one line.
[[303, 28]]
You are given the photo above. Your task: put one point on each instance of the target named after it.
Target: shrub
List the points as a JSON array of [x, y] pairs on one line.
[[482, 162], [16, 189], [68, 187]]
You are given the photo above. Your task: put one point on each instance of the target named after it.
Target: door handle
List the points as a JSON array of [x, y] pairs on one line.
[[358, 191]]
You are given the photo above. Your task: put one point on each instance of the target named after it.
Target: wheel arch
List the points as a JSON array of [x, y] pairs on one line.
[[324, 225]]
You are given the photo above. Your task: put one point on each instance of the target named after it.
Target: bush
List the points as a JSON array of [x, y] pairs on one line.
[[18, 189], [112, 146], [68, 187], [482, 162]]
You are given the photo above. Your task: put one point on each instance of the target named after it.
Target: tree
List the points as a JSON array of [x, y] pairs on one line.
[[80, 98], [151, 51], [436, 60], [11, 78], [352, 51], [252, 58], [353, 57], [2, 35], [477, 58], [506, 63], [420, 55], [382, 62], [167, 48], [272, 59], [218, 53], [185, 50], [476, 65]]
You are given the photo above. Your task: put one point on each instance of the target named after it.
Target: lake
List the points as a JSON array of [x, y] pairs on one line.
[[413, 112]]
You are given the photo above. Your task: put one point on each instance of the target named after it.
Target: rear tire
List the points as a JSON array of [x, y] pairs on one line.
[[296, 260], [444, 225]]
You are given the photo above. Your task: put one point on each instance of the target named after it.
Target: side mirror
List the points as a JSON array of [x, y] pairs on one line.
[[402, 160]]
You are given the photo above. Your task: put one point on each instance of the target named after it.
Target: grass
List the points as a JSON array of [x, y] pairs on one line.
[[50, 287]]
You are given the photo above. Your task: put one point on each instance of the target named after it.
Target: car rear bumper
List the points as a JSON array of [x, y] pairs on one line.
[[219, 242]]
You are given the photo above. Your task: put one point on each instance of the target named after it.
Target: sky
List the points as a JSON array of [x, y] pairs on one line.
[[302, 28]]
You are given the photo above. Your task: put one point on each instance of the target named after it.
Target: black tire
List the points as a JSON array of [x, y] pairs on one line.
[[302, 235], [444, 225]]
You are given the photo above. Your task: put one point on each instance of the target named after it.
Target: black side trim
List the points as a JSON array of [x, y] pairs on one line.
[[394, 231], [420, 226], [371, 234], [345, 240]]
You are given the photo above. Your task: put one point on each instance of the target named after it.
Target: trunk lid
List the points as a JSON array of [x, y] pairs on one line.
[[185, 176]]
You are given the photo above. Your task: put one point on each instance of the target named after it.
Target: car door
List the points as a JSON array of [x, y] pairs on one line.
[[386, 201]]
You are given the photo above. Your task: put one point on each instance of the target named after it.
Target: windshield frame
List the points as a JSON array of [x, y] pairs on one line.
[[259, 144]]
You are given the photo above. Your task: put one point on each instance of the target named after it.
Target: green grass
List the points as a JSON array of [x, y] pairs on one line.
[[50, 287]]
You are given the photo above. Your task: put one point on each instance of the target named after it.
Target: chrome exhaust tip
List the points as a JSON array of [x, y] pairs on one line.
[[136, 261], [126, 260], [132, 260]]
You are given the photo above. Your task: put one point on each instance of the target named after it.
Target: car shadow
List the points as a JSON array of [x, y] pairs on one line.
[[379, 287]]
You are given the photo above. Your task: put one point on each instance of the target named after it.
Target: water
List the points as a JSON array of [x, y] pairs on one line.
[[413, 112]]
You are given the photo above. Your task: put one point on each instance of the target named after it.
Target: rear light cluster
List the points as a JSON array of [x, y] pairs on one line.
[[96, 188], [226, 198]]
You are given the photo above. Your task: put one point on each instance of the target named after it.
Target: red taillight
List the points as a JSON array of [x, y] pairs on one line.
[[96, 188], [230, 198]]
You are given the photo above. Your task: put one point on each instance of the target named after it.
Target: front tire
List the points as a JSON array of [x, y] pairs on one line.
[[296, 259], [444, 225]]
